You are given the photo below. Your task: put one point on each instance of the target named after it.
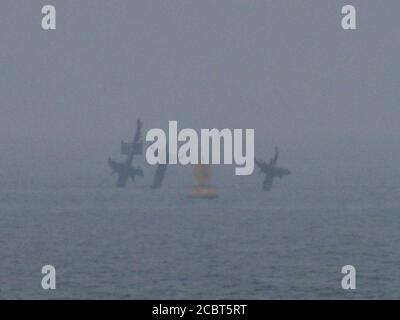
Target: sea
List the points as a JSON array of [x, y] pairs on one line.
[[139, 243]]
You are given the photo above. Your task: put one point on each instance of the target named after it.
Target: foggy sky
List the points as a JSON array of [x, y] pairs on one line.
[[328, 97]]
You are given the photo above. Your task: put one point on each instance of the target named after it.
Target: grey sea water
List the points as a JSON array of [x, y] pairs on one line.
[[140, 244]]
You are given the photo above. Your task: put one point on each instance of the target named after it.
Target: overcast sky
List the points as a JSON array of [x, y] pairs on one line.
[[329, 98]]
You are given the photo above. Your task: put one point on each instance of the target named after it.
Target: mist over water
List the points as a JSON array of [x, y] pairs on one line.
[[328, 98]]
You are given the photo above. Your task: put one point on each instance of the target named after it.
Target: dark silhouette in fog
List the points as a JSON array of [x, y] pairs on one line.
[[160, 174], [271, 171], [126, 170]]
